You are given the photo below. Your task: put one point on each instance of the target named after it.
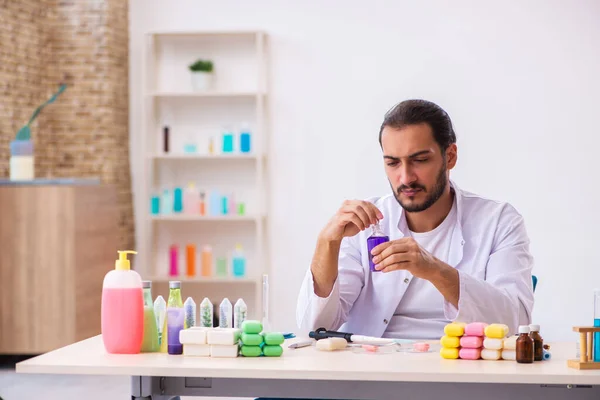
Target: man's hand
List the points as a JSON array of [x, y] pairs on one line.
[[352, 217], [405, 254]]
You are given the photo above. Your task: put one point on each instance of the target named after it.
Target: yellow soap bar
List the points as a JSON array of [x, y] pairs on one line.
[[496, 331], [448, 353], [455, 329], [450, 342]]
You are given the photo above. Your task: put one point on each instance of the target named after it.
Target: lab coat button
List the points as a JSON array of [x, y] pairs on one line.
[[385, 321], [406, 280]]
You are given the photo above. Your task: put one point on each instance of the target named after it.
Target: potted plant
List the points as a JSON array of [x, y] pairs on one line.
[[202, 74]]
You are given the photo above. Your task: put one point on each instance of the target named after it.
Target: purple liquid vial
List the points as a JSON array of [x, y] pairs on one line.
[[373, 241]]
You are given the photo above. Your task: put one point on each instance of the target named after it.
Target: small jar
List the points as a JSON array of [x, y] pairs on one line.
[[524, 346], [538, 343]]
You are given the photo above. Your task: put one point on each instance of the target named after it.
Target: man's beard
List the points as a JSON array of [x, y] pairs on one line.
[[436, 192]]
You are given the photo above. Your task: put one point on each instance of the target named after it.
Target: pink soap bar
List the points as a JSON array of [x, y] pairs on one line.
[[471, 342], [475, 329], [422, 347], [469, 354]]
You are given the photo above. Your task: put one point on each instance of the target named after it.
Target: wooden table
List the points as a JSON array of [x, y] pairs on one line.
[[309, 373]]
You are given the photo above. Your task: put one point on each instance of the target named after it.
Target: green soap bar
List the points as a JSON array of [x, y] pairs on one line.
[[251, 339], [251, 326], [273, 338], [251, 351], [272, 351]]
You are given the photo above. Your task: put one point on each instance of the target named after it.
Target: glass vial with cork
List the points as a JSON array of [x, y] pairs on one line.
[[525, 345]]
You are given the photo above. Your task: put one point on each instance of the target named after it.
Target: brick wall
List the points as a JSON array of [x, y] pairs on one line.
[[85, 132]]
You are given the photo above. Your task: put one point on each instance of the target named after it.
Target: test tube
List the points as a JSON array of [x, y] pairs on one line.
[[265, 303]]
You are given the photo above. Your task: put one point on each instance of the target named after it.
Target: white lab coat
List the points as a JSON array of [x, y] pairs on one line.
[[490, 250]]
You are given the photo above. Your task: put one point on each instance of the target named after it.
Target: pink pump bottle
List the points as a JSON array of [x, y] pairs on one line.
[[122, 314]]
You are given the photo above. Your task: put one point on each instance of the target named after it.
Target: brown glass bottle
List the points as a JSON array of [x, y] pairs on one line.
[[538, 343], [524, 346]]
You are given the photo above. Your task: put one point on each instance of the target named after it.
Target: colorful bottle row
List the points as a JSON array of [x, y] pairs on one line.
[[192, 202], [227, 144], [131, 323], [207, 267]]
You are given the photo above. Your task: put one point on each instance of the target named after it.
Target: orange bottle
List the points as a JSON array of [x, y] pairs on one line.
[[202, 204], [190, 251], [206, 261]]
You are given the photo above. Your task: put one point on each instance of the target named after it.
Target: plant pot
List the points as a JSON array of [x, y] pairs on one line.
[[202, 81]]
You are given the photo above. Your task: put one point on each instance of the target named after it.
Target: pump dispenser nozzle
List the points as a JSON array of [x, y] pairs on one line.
[[122, 263]]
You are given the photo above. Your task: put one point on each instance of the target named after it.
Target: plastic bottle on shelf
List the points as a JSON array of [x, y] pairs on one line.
[[177, 200], [190, 199], [167, 202], [122, 309], [206, 267], [227, 140], [239, 261], [245, 138]]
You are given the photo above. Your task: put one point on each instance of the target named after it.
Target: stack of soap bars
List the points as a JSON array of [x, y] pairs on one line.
[[210, 342], [255, 344], [477, 340]]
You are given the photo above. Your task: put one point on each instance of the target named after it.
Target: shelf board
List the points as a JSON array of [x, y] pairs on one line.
[[205, 94], [199, 218], [183, 156], [200, 279], [206, 33]]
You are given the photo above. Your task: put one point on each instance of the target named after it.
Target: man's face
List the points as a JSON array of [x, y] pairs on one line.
[[417, 170]]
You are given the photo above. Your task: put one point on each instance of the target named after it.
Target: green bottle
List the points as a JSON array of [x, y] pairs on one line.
[[150, 341]]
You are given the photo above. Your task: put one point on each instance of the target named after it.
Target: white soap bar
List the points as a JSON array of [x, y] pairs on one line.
[[510, 343], [220, 351], [487, 354], [509, 355], [223, 336], [195, 335], [493, 344], [196, 350], [331, 344]]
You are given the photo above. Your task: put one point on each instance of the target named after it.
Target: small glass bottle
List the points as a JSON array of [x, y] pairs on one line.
[[175, 318], [525, 345], [206, 313], [167, 203], [221, 267], [155, 204], [150, 342], [376, 238], [226, 314], [202, 204], [538, 343], [178, 200]]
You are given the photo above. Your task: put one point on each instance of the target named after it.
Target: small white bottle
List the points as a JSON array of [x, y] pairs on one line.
[[225, 314], [160, 311], [189, 309], [191, 199], [240, 313], [206, 313]]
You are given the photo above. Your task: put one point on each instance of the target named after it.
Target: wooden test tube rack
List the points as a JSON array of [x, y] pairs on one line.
[[586, 349]]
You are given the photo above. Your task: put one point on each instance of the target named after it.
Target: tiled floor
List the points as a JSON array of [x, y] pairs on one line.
[[15, 386]]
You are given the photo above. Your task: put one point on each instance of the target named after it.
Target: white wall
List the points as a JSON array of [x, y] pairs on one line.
[[519, 78]]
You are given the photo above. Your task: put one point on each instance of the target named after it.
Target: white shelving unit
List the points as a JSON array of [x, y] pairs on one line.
[[239, 95]]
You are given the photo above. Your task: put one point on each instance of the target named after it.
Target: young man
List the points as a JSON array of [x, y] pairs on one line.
[[452, 255]]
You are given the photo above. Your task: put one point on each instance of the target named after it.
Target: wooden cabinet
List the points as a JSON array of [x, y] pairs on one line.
[[57, 241]]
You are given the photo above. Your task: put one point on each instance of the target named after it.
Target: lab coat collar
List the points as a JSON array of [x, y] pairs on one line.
[[458, 242]]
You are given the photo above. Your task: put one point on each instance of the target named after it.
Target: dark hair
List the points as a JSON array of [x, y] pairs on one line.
[[412, 112]]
